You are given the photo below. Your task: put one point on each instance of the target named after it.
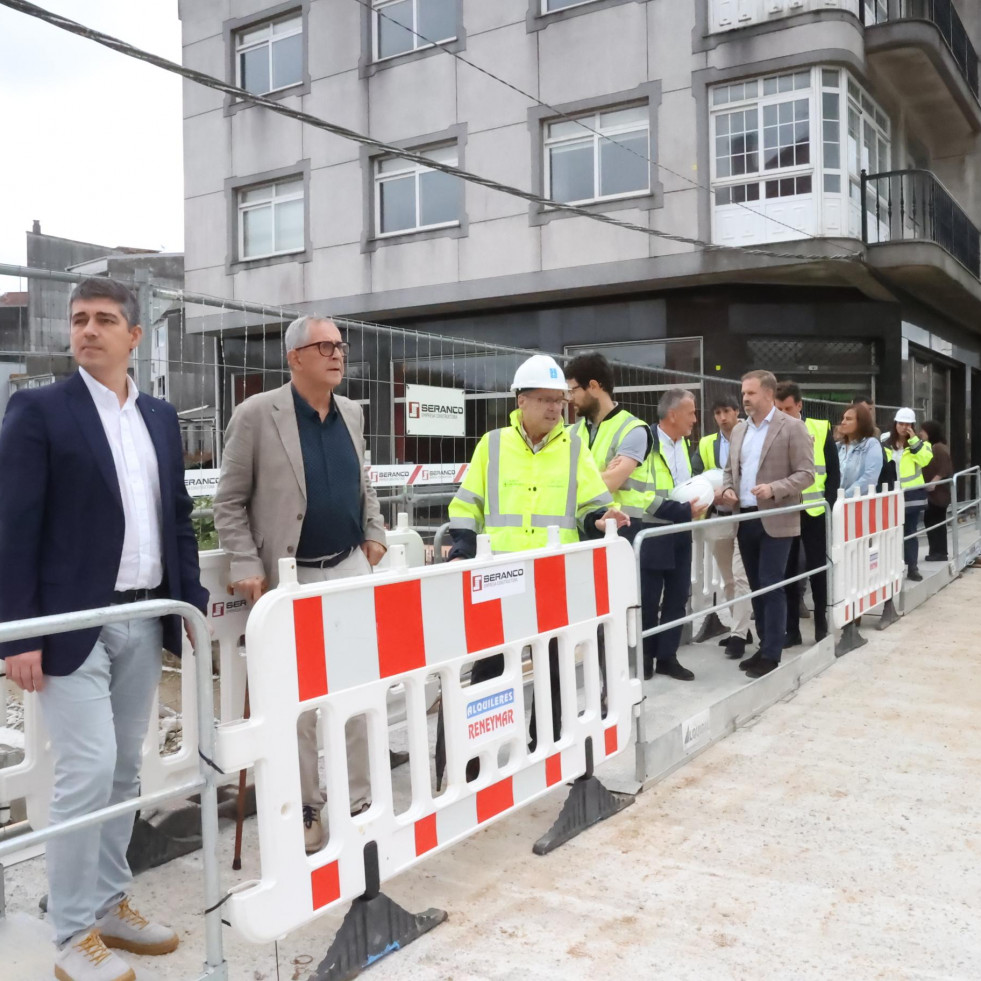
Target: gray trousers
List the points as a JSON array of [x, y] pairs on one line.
[[97, 719], [358, 774]]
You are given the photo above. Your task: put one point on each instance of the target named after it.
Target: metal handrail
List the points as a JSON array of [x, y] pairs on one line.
[[215, 968]]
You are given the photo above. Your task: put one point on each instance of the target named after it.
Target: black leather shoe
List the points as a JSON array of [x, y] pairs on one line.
[[674, 670], [914, 575], [764, 667], [792, 640], [936, 558], [648, 670], [736, 647], [711, 627], [750, 662]]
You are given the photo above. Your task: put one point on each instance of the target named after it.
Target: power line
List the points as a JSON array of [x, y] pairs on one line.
[[380, 11], [210, 81]]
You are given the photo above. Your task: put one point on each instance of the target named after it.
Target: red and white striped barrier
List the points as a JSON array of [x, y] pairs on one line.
[[340, 647], [866, 552]]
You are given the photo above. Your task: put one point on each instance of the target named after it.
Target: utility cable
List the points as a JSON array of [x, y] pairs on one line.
[[578, 120], [210, 81]]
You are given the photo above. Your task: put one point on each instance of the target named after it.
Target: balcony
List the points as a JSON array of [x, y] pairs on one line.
[[921, 50], [922, 241]]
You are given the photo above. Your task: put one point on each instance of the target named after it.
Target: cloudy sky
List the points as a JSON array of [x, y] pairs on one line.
[[90, 140]]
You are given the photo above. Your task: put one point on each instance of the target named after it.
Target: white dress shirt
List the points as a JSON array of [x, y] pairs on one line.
[[749, 458], [141, 564], [723, 450], [675, 455]]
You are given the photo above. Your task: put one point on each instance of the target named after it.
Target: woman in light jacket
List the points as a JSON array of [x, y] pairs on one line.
[[859, 452]]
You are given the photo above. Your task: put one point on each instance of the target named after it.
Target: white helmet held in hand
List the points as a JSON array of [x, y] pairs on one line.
[[539, 371]]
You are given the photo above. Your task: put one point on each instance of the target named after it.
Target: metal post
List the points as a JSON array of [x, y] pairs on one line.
[[865, 207], [144, 295], [954, 537], [830, 574]]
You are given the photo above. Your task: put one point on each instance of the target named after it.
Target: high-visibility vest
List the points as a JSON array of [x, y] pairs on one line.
[[916, 456], [637, 492], [819, 429], [663, 478], [513, 494], [710, 450]]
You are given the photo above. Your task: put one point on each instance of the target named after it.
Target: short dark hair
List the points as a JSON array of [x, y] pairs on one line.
[[789, 390], [726, 402], [767, 379], [864, 423], [862, 400], [101, 287], [591, 367], [934, 431]]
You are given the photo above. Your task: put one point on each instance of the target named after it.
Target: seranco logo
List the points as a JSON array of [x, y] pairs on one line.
[[479, 582], [414, 410]]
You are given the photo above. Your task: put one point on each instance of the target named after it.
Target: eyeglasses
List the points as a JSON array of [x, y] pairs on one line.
[[574, 388], [327, 348], [560, 401]]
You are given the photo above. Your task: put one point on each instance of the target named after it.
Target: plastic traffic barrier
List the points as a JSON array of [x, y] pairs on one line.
[[402, 534], [340, 646], [866, 552]]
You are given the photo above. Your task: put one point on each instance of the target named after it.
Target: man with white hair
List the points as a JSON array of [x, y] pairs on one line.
[[293, 485]]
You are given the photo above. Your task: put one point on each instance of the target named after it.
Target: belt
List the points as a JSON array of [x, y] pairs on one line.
[[121, 596], [747, 510], [325, 563]]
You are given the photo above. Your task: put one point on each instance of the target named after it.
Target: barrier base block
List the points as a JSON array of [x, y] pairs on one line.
[[888, 616], [372, 928], [588, 803], [711, 627], [851, 640]]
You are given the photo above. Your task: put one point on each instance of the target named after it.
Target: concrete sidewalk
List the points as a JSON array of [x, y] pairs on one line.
[[834, 837]]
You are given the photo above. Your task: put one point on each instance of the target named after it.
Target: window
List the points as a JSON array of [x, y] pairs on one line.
[[402, 26], [270, 219], [410, 197], [549, 5], [600, 156], [269, 56]]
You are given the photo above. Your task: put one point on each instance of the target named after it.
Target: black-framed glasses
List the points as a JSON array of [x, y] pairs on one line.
[[327, 348]]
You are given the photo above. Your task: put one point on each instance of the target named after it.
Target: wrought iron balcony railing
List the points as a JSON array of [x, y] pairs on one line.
[[943, 15], [912, 205]]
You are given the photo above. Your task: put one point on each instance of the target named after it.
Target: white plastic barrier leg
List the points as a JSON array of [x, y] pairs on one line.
[[867, 552], [341, 646], [402, 534]]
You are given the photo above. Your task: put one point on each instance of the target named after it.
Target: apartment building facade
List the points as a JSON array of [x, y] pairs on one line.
[[818, 159]]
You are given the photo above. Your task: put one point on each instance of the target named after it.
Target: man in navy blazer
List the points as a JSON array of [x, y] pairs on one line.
[[93, 512]]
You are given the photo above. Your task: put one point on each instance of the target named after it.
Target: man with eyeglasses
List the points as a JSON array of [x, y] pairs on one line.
[[293, 485], [523, 478]]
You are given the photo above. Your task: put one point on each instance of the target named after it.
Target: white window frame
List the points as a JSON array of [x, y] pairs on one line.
[[447, 153], [417, 43], [568, 6], [244, 206], [267, 42], [592, 120]]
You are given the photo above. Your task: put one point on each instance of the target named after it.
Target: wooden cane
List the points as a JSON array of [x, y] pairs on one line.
[[240, 803]]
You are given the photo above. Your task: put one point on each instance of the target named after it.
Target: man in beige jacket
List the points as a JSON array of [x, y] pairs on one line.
[[771, 463], [293, 485]]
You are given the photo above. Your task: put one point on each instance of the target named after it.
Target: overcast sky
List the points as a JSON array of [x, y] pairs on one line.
[[90, 140]]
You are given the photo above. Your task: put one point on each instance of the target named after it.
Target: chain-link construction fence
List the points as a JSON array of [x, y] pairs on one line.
[[206, 355]]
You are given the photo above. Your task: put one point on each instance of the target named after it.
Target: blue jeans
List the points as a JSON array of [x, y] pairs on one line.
[[97, 719], [765, 561]]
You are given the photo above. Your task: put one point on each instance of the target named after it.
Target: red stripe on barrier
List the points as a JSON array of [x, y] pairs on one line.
[[311, 657], [398, 624], [483, 622], [553, 770], [550, 595], [325, 884], [610, 738], [426, 839], [601, 582], [495, 799]]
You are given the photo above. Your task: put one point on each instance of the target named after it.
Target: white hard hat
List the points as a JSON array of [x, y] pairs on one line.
[[905, 415], [714, 477], [539, 371], [697, 490]]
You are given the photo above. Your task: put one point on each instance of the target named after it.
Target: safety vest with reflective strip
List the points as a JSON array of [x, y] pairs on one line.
[[637, 491], [710, 450], [819, 429], [916, 456], [663, 478], [513, 494]]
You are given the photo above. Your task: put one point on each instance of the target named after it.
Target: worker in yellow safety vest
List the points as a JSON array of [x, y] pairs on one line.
[[713, 453], [524, 477], [910, 454], [812, 540]]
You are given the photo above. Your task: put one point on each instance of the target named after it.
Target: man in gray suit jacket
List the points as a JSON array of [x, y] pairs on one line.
[[293, 485], [771, 463]]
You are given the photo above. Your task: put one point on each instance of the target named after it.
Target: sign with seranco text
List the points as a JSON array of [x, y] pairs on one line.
[[431, 411]]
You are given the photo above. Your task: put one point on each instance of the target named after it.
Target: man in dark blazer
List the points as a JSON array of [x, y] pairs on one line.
[[93, 512]]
